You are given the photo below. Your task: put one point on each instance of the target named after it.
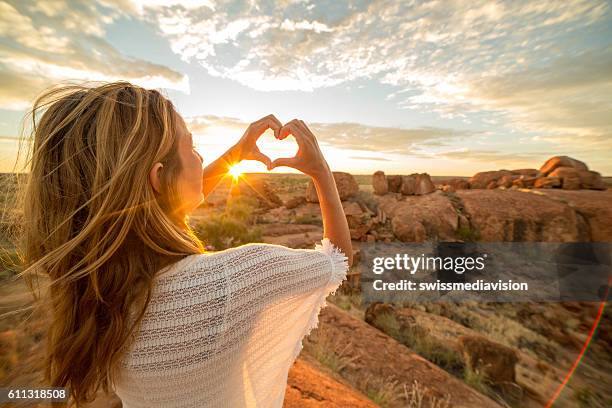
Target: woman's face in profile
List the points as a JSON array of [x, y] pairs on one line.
[[190, 178]]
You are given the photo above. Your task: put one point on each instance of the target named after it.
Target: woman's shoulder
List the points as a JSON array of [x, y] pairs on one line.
[[215, 260]]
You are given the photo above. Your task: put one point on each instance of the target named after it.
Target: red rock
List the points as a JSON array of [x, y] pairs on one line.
[[510, 215], [495, 360], [591, 180], [408, 185], [484, 178], [547, 182], [506, 181], [569, 176], [260, 190], [459, 184], [395, 183], [295, 202], [594, 206], [345, 182], [309, 386], [388, 204], [524, 182], [526, 172], [420, 217], [424, 185], [561, 161], [492, 185], [380, 184], [373, 354]]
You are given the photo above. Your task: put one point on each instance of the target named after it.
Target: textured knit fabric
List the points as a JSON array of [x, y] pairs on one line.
[[223, 328]]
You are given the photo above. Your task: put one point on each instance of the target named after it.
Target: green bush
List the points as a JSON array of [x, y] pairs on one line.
[[233, 227]]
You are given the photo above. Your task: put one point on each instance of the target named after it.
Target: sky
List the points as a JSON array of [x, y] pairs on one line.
[[443, 87]]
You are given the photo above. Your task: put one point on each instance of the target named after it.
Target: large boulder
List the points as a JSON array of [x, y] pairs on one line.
[[380, 184], [417, 218], [526, 172], [295, 202], [484, 178], [359, 222], [506, 181], [591, 180], [345, 182], [424, 185], [417, 184], [510, 215], [459, 184], [561, 161], [524, 182], [388, 204], [594, 206], [547, 182], [496, 361], [569, 176], [395, 183], [408, 185]]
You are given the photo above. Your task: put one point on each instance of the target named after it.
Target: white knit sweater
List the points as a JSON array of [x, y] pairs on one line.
[[223, 328]]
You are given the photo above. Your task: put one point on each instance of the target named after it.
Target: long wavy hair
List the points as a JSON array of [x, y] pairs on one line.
[[94, 231]]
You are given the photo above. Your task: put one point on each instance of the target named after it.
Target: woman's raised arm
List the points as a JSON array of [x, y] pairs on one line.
[[309, 160]]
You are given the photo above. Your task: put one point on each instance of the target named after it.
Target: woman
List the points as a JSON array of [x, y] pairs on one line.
[[135, 305]]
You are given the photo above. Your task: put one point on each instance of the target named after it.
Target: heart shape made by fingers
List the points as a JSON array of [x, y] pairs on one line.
[[274, 148]]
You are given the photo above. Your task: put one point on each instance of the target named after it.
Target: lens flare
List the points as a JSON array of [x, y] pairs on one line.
[[235, 171]]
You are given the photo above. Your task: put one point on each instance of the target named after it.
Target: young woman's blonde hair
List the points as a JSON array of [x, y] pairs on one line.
[[93, 227]]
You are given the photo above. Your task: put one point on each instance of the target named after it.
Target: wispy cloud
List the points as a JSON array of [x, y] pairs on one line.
[[344, 136], [524, 64], [46, 42]]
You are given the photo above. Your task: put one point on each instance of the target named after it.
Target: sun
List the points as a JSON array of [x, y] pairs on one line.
[[235, 171]]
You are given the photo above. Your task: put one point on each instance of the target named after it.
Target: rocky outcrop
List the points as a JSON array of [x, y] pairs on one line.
[[345, 182], [417, 218], [417, 184], [569, 176], [380, 184], [395, 183], [558, 172], [359, 221], [485, 178], [295, 202], [526, 172], [547, 182], [371, 353], [459, 184], [594, 206], [259, 189], [310, 387], [496, 361], [521, 216], [561, 161]]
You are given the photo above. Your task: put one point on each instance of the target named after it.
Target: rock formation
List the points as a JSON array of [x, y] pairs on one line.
[[557, 172], [345, 182]]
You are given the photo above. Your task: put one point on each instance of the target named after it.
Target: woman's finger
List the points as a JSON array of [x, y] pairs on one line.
[[291, 128], [265, 123], [284, 161], [259, 156]]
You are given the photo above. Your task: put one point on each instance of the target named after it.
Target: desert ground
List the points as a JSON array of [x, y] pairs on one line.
[[429, 355]]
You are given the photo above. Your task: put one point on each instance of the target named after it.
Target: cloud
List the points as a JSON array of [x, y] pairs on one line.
[[369, 158], [345, 136], [527, 65], [47, 42]]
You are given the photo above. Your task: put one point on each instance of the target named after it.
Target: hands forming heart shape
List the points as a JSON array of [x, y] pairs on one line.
[[308, 159]]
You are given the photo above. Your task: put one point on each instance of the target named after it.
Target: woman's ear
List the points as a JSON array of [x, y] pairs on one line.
[[155, 177]]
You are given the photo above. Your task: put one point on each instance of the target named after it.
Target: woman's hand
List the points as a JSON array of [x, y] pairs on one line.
[[308, 159], [246, 148]]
